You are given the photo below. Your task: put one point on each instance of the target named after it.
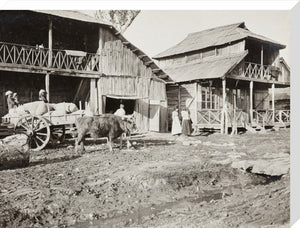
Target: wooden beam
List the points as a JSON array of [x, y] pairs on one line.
[[47, 86], [251, 101], [262, 60], [196, 100], [101, 41], [223, 116], [148, 63], [156, 69], [179, 98], [273, 102], [126, 42], [142, 56], [117, 33], [135, 50], [50, 36]]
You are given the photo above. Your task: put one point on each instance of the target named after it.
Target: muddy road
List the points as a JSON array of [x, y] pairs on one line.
[[165, 181]]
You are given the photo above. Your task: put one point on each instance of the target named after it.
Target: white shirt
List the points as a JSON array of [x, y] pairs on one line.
[[120, 112]]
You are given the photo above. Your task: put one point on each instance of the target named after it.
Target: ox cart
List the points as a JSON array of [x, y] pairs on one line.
[[42, 129]]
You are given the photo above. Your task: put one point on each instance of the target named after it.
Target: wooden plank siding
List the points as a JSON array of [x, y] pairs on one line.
[[235, 47]]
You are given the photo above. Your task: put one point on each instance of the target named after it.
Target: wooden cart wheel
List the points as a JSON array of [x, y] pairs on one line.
[[36, 128], [58, 134]]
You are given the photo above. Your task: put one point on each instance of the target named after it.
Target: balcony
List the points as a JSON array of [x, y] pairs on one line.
[[261, 72], [28, 58]]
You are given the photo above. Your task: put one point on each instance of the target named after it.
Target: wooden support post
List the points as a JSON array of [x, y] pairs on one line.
[[251, 102], [179, 99], [93, 96], [262, 61], [196, 102], [223, 116], [234, 123], [273, 102], [50, 43], [47, 86]]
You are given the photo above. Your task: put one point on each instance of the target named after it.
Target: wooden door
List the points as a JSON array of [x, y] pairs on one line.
[[154, 115]]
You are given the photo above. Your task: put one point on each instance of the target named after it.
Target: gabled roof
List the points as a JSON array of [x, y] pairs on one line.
[[215, 37], [75, 15], [208, 68], [281, 59]]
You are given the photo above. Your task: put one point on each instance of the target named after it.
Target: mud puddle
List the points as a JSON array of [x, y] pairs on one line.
[[137, 216]]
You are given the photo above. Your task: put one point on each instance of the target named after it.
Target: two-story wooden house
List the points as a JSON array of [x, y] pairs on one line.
[[78, 59], [223, 76]]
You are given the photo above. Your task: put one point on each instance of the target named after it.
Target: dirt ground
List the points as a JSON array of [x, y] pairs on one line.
[[165, 181]]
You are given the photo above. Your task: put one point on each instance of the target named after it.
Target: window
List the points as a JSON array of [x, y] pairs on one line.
[[210, 98]]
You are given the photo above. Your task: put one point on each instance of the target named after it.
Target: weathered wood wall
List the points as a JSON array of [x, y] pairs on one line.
[[117, 59], [143, 88]]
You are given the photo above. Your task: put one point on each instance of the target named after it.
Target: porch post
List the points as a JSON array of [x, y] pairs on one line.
[[223, 116], [273, 102], [196, 102], [47, 78], [251, 102], [47, 86], [262, 61], [50, 43]]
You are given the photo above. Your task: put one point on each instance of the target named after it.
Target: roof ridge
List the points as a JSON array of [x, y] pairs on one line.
[[219, 27]]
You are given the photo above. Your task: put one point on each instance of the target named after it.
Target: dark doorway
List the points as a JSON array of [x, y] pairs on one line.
[[112, 104]]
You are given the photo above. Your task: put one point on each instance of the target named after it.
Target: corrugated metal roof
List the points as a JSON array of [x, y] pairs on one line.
[[214, 67], [214, 37]]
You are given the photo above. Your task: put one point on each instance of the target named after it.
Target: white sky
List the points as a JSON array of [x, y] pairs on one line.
[[155, 31]]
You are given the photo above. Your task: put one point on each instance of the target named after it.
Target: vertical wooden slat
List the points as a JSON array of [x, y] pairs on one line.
[[273, 102], [47, 86], [50, 35], [251, 102]]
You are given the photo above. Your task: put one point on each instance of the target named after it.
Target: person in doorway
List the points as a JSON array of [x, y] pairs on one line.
[[16, 99], [176, 126], [121, 111], [186, 122], [10, 100], [43, 95]]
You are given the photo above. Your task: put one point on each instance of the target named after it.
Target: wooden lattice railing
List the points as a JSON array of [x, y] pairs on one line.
[[209, 116], [282, 116], [212, 117], [257, 71], [263, 117], [39, 57]]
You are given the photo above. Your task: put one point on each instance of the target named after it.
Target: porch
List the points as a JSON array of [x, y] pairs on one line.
[[212, 118], [24, 58]]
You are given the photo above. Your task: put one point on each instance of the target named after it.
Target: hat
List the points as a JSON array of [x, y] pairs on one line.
[[42, 91], [15, 94], [8, 93]]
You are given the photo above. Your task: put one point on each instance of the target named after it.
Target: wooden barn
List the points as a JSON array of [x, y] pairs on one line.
[[223, 76], [79, 59]]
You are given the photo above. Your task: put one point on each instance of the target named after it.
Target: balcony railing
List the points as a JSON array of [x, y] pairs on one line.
[[38, 57], [264, 72]]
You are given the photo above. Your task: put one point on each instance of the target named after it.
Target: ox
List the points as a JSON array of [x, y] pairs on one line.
[[106, 125]]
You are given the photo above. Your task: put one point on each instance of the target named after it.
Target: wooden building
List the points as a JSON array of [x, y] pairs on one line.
[[223, 76], [78, 59]]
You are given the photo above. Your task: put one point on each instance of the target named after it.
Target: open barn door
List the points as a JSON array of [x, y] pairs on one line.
[[154, 115]]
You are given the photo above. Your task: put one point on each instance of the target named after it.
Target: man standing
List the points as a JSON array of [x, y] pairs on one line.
[[43, 95], [10, 100], [120, 111]]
